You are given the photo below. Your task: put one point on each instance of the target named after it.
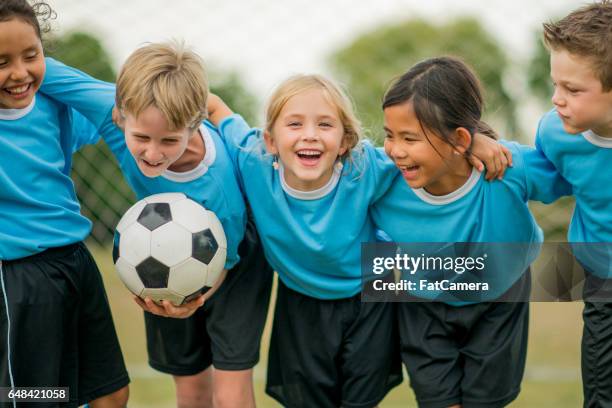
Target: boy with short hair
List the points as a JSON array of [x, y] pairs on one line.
[[161, 97], [576, 134]]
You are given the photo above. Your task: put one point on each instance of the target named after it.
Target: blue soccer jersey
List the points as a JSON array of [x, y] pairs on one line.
[[478, 212], [212, 183], [38, 203], [584, 160], [312, 239]]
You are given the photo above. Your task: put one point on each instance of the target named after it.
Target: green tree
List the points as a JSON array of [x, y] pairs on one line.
[[372, 61], [83, 51], [538, 72], [230, 87]]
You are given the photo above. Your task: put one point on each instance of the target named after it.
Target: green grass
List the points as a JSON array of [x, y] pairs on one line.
[[552, 377]]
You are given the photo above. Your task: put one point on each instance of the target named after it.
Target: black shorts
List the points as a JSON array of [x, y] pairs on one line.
[[597, 343], [471, 355], [61, 329], [332, 353], [226, 331]]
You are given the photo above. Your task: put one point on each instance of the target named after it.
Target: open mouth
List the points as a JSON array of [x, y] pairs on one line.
[[19, 91], [562, 116], [152, 165], [409, 172], [309, 157]]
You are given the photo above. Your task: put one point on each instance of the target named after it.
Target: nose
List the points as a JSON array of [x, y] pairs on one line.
[[153, 154], [394, 150], [19, 72], [310, 133], [557, 98]]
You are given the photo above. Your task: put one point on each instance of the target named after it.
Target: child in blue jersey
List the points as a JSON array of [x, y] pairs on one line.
[[168, 147], [460, 353], [310, 183], [55, 322], [576, 136]]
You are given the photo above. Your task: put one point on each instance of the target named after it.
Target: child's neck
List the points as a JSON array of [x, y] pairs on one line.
[[458, 174], [604, 131], [193, 155]]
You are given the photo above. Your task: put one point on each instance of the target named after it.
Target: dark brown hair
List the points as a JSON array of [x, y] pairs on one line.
[[445, 95], [37, 13]]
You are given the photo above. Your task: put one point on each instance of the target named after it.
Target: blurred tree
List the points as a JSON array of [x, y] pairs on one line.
[[373, 60], [538, 72], [83, 51], [230, 87]]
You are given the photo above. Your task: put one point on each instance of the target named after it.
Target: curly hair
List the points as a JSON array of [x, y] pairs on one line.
[[37, 13]]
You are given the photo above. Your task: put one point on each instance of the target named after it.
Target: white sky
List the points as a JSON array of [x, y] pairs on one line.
[[267, 40]]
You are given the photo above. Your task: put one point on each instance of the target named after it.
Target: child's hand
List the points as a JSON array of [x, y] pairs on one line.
[[167, 309], [492, 154], [217, 109], [118, 118]]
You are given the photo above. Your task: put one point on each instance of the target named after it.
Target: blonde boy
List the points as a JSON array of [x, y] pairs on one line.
[[161, 98]]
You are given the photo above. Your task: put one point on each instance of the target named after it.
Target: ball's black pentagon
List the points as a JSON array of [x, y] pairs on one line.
[[155, 215], [196, 294], [116, 240], [153, 273], [204, 246]]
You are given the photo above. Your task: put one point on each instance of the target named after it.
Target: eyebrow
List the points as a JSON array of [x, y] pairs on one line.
[[26, 50], [301, 115], [403, 132], [137, 133]]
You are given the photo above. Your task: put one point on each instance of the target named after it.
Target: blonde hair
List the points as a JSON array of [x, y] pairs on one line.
[[168, 76], [297, 84]]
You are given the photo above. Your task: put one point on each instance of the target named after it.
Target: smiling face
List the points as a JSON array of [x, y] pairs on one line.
[[308, 137], [22, 64], [151, 143], [579, 97], [425, 162]]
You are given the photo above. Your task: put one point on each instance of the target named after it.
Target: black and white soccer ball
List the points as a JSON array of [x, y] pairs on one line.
[[169, 247]]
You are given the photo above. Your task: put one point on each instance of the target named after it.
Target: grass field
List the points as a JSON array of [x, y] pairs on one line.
[[552, 377]]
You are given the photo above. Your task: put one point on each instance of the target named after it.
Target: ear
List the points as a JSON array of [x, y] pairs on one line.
[[269, 141], [118, 118], [343, 147], [463, 140]]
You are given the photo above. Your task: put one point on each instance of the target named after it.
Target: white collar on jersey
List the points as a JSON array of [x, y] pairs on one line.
[[314, 194], [14, 114], [200, 169], [597, 140], [452, 196]]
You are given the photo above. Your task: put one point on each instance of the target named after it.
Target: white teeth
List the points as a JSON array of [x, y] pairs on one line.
[[18, 89], [309, 152]]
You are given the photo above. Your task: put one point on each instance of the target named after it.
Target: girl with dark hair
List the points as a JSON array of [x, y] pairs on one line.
[[461, 348], [56, 328]]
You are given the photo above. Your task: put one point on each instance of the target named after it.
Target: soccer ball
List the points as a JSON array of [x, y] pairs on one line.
[[169, 247]]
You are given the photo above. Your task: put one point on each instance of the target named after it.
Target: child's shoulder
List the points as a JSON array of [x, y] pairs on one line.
[[550, 129], [521, 159]]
